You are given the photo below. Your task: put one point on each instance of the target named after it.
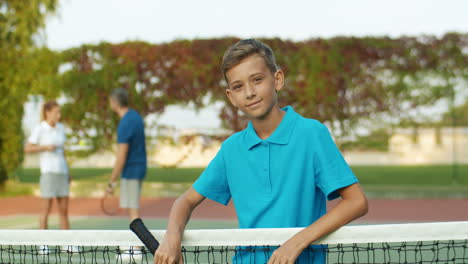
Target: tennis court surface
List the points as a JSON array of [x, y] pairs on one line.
[[442, 239], [380, 210]]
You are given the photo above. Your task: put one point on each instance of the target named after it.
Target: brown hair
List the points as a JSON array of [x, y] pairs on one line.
[[245, 48], [46, 107]]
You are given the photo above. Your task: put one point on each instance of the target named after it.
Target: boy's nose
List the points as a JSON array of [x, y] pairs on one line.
[[250, 91]]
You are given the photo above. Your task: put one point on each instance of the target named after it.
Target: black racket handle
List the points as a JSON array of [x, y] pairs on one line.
[[145, 236]]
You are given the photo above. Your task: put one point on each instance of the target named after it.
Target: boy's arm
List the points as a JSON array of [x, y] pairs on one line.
[[352, 206], [169, 251]]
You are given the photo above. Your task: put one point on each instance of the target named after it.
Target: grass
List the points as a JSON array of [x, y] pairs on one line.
[[14, 188], [378, 181], [434, 175], [166, 175]]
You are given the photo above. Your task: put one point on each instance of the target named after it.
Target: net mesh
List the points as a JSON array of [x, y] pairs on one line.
[[403, 243]]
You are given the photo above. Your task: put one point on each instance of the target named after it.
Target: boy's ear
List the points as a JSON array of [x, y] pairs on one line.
[[279, 80], [229, 95]]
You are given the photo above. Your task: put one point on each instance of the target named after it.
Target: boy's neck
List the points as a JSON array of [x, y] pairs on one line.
[[265, 127]]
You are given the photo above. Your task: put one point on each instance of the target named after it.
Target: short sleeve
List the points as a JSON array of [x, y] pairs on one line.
[[332, 172], [35, 135], [213, 183], [124, 132]]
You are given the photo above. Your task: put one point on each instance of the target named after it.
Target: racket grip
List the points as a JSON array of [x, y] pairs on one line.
[[145, 236]]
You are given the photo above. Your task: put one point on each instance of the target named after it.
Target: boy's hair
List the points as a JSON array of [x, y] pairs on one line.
[[120, 95], [245, 48]]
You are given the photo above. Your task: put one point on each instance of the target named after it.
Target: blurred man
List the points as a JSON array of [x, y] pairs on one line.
[[131, 153]]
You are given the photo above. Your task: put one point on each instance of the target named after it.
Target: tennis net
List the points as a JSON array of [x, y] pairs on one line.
[[445, 242]]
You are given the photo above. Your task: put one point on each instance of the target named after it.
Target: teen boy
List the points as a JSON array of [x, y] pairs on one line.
[[279, 171]]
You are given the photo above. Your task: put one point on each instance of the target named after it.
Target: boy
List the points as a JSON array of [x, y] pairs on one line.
[[279, 170]]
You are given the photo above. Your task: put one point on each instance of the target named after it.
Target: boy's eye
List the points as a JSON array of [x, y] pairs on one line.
[[236, 87], [258, 79]]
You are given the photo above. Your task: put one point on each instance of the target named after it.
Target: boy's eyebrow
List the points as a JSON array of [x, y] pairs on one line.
[[250, 76], [234, 82], [254, 74]]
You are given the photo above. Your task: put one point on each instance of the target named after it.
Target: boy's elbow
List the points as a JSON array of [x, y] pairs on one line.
[[190, 198], [360, 201], [360, 205], [183, 201], [356, 199], [363, 206]]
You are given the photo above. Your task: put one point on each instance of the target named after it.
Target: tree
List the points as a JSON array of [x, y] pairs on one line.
[[20, 20], [457, 117], [339, 81], [180, 72]]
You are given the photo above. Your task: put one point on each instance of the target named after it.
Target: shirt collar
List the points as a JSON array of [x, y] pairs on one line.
[[281, 134]]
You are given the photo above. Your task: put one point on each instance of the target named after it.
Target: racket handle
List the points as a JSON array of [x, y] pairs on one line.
[[145, 236]]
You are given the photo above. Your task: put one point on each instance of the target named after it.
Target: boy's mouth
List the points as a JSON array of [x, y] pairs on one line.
[[254, 103]]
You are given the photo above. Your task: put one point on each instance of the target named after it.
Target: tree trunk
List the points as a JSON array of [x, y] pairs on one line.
[[3, 178]]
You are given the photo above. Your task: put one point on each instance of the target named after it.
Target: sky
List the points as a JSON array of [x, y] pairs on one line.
[[91, 21]]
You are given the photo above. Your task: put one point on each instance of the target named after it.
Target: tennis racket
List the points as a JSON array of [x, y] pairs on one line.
[[109, 204], [145, 236]]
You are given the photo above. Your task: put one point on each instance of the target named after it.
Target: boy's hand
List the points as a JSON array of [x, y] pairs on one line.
[[286, 254], [168, 253]]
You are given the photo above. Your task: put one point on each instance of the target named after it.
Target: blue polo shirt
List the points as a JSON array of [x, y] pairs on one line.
[[131, 131], [282, 181]]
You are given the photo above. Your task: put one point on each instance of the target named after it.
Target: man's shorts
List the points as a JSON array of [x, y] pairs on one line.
[[130, 190]]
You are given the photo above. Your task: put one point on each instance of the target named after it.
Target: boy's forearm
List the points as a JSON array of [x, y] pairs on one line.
[[343, 213], [180, 215], [178, 218]]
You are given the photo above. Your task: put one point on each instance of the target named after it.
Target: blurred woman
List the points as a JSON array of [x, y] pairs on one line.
[[48, 139]]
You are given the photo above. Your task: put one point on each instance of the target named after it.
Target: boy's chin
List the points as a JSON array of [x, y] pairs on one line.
[[258, 115]]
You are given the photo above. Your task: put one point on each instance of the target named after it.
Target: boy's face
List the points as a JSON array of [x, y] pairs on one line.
[[253, 88]]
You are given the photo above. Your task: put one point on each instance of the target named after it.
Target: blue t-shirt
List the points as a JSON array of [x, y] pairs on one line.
[[131, 130], [282, 181]]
